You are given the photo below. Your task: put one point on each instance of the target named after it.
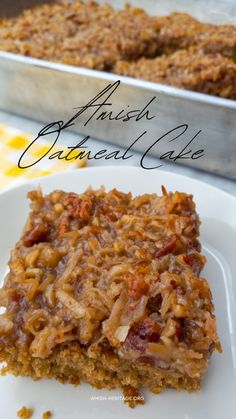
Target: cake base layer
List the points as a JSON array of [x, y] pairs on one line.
[[72, 364]]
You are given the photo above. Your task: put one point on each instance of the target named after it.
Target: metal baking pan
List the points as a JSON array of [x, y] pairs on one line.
[[49, 92]]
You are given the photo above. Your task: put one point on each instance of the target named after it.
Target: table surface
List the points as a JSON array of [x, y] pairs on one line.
[[71, 139]]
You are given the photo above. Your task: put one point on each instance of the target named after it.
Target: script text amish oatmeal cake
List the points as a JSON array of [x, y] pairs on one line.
[[106, 287]]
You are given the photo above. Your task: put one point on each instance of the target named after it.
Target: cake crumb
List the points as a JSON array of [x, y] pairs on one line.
[[25, 413], [3, 371], [47, 415], [132, 396]]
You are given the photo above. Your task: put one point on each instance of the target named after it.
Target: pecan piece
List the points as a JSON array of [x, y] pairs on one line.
[[189, 331], [154, 303], [137, 286], [63, 226], [78, 207], [168, 246], [142, 333], [36, 234], [195, 261]]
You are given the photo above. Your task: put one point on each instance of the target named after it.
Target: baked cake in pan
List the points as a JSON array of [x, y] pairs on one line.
[[98, 36], [192, 70]]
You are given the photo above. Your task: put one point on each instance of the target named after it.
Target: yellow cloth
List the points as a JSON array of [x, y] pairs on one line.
[[12, 144]]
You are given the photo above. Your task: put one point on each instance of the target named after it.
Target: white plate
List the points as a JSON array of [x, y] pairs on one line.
[[217, 399]]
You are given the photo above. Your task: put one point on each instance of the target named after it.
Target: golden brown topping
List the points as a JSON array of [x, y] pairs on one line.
[[111, 325], [179, 310], [36, 321], [4, 297], [49, 337], [31, 258], [71, 304], [49, 257], [6, 324]]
